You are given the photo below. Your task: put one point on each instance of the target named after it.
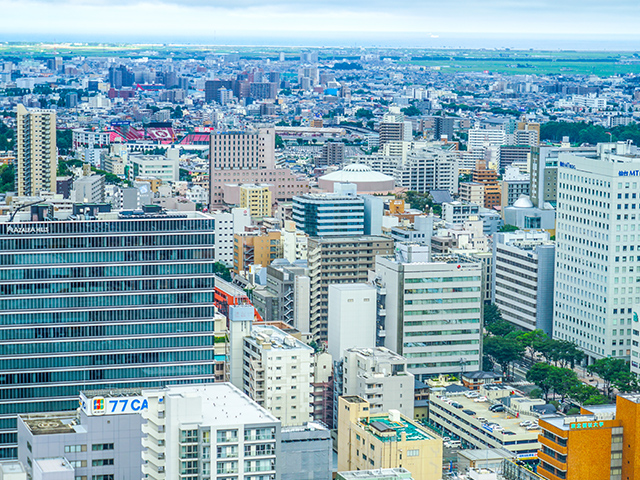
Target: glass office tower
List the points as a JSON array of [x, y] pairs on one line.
[[101, 300]]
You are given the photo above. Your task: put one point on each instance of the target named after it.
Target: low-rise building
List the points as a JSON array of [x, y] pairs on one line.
[[462, 414], [385, 440], [208, 431], [101, 438]]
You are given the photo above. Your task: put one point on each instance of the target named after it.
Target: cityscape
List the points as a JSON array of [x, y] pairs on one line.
[[296, 250]]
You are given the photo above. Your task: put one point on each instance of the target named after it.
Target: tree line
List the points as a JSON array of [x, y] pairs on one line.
[[553, 362]]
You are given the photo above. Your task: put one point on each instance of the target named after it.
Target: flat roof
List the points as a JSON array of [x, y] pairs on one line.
[[509, 422], [53, 465], [8, 467], [51, 423], [221, 402], [383, 424], [386, 473]]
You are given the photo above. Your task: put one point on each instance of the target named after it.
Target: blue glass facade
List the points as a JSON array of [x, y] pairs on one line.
[[320, 215], [113, 302]]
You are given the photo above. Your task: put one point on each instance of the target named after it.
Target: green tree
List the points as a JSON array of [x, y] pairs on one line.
[[279, 142], [501, 328], [503, 351], [491, 314], [540, 375], [582, 392], [177, 112], [411, 111], [185, 176], [222, 271], [508, 228], [64, 141], [7, 178], [563, 380], [611, 371], [364, 113]]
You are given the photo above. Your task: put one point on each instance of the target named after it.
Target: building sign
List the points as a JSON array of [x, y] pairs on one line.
[[95, 406], [25, 230], [629, 173], [566, 165], [585, 425]]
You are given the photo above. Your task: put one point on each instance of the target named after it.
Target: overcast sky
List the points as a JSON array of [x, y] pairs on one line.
[[208, 19]]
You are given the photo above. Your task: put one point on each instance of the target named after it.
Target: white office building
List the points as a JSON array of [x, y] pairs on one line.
[[432, 311], [226, 225], [597, 243], [165, 168], [208, 431], [524, 263]]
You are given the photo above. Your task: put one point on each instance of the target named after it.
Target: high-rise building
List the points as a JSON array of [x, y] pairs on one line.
[[100, 301], [443, 127], [255, 248], [352, 318], [211, 431], [332, 154], [101, 438], [89, 189], [339, 260], [432, 311], [249, 157], [472, 192], [277, 374], [37, 154], [523, 267], [488, 178], [596, 250]]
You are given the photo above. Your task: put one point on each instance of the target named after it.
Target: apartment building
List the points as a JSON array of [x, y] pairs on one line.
[[37, 161], [339, 260]]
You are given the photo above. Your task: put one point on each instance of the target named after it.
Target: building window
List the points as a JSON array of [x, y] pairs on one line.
[[75, 448], [96, 447], [102, 462]]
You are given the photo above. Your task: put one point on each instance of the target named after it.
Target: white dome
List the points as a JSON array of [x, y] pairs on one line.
[[356, 173], [523, 202]]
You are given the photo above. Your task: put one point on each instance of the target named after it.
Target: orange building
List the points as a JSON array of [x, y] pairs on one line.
[[603, 442], [492, 189], [255, 248]]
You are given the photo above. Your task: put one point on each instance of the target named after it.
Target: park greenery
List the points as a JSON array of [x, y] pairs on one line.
[[422, 201], [582, 132], [7, 178], [7, 137], [553, 362]]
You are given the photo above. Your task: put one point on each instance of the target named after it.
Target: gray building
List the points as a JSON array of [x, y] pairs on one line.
[[512, 190], [332, 154], [380, 376], [306, 452], [89, 189], [523, 273], [101, 439], [276, 301]]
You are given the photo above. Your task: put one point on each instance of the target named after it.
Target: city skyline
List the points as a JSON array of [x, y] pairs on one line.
[[492, 24]]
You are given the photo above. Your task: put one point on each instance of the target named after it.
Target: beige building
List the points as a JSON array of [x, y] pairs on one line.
[[256, 199], [385, 440], [37, 154], [472, 192], [339, 260]]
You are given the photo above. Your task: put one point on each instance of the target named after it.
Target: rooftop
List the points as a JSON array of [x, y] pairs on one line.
[[52, 423], [268, 334], [382, 427], [222, 403], [53, 465], [11, 467], [377, 474]]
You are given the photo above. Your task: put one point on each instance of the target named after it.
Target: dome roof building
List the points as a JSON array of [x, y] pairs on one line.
[[363, 176]]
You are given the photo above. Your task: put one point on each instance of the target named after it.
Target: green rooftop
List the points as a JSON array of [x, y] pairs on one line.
[[381, 427]]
